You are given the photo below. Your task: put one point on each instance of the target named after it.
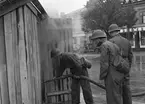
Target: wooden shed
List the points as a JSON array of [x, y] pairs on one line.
[[27, 35]]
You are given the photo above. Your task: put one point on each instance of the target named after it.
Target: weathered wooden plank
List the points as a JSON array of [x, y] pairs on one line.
[[16, 59], [27, 19], [34, 40], [9, 54], [32, 54], [39, 96], [22, 58], [59, 93], [32, 8], [3, 70]]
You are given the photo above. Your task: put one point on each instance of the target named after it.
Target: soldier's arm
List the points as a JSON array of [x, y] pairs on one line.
[[73, 61], [104, 62], [86, 63]]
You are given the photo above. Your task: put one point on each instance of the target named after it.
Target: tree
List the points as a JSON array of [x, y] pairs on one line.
[[100, 14]]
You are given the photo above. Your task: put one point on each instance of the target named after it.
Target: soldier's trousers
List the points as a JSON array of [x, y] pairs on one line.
[[86, 88], [127, 99]]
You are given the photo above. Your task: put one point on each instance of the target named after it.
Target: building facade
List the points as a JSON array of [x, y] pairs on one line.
[[79, 36], [137, 33]]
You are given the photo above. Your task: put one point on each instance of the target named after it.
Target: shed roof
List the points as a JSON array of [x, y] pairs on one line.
[[9, 5]]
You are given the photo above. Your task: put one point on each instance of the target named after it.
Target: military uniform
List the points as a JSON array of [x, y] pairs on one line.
[[127, 54], [125, 45], [72, 61], [112, 78]]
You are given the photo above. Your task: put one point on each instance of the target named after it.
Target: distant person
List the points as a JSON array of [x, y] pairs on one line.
[[127, 54], [112, 78], [78, 66]]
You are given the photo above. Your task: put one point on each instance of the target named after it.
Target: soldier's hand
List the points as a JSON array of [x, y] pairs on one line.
[[76, 77]]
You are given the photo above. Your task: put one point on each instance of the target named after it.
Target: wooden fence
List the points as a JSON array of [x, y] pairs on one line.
[[19, 58]]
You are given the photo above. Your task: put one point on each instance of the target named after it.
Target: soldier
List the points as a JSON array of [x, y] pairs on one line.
[[112, 78], [78, 66], [125, 45]]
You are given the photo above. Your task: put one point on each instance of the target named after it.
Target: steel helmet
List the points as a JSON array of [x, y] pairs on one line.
[[98, 34], [113, 27], [54, 52]]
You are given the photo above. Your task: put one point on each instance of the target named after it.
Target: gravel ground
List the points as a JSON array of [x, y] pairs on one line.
[[137, 82]]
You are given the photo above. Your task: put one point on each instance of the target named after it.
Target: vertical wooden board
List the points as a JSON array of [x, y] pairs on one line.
[[3, 70], [9, 54], [65, 87], [38, 62], [16, 59], [36, 66], [33, 57], [28, 33], [22, 58]]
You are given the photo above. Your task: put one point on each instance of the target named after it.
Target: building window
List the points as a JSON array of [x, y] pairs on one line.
[[142, 39], [132, 39], [142, 14], [143, 19]]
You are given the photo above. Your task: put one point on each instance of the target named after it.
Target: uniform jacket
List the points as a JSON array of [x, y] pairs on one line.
[[112, 78], [108, 52], [125, 45], [67, 60]]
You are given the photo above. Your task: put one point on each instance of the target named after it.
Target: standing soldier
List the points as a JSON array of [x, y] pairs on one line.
[[112, 78], [125, 45], [78, 66]]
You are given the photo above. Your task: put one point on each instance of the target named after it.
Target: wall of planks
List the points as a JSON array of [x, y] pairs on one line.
[[20, 74], [54, 33]]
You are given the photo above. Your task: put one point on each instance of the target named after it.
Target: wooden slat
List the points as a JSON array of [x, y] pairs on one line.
[[3, 70], [27, 19], [32, 8], [59, 93], [22, 58], [36, 73], [38, 69], [32, 54], [15, 52], [9, 54]]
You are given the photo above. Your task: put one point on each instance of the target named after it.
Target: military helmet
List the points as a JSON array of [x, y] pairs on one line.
[[98, 34], [113, 27], [54, 52]]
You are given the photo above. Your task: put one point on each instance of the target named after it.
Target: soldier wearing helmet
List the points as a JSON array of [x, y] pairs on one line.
[[78, 66], [108, 73], [125, 46]]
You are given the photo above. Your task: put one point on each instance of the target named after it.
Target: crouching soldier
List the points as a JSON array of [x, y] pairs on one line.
[[112, 78], [78, 66]]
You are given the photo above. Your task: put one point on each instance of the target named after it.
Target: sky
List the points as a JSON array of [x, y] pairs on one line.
[[65, 6]]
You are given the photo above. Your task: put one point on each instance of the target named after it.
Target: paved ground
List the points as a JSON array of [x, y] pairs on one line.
[[137, 82]]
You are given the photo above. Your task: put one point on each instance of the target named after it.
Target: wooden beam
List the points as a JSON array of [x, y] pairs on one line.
[[3, 70], [59, 93], [10, 58], [11, 6], [22, 58]]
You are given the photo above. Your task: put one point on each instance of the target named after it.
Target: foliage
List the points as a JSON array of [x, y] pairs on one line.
[[100, 14]]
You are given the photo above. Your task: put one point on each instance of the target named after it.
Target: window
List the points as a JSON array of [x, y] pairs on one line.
[[142, 39], [142, 14], [143, 18]]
